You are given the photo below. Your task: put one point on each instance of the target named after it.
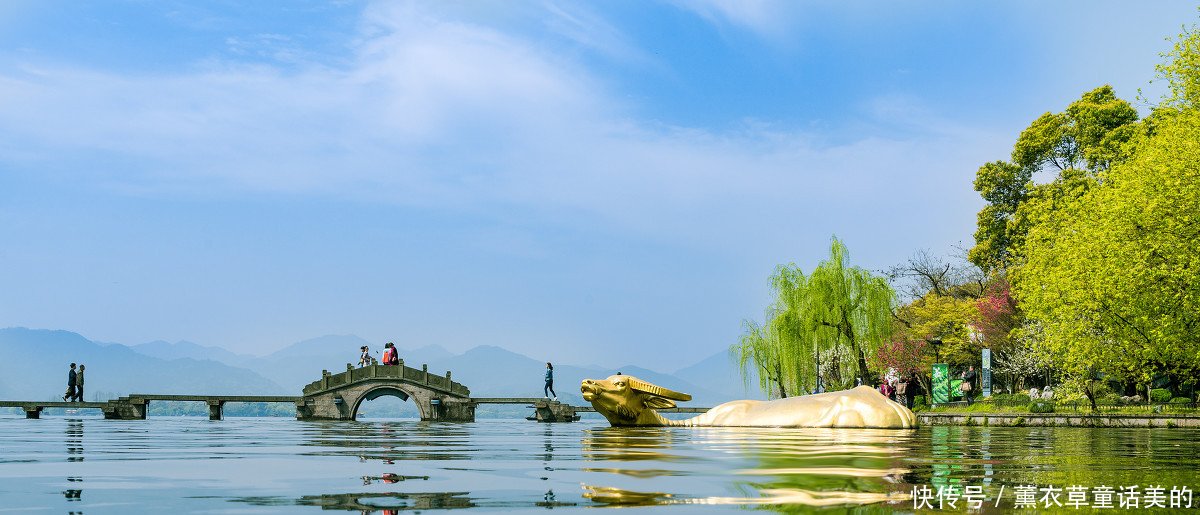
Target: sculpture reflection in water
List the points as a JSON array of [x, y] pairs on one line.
[[629, 401], [809, 467], [819, 466]]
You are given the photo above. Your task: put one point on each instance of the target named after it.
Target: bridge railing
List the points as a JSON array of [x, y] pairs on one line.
[[402, 372]]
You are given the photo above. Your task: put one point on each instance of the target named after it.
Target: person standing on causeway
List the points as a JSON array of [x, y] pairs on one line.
[[548, 390], [70, 384]]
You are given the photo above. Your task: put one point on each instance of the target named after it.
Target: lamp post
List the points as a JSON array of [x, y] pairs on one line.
[[937, 344]]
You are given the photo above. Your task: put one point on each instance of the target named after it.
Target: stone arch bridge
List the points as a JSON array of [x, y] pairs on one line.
[[339, 396]]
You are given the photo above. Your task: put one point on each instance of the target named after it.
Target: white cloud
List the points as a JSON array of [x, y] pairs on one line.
[[765, 17], [438, 112]]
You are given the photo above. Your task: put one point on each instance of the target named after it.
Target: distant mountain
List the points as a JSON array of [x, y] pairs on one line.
[[720, 373], [492, 371], [36, 364], [701, 395], [186, 367], [301, 363], [185, 349]]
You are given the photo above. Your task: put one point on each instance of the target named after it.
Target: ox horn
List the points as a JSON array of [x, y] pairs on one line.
[[653, 389]]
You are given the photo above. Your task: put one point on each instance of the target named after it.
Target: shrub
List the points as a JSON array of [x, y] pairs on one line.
[[1041, 407], [1180, 400], [1160, 395], [919, 402]]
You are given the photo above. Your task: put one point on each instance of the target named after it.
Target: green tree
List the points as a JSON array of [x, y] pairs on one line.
[[838, 315], [759, 349], [1111, 271], [1088, 137]]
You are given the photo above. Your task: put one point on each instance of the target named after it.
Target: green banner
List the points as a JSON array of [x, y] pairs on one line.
[[941, 383]]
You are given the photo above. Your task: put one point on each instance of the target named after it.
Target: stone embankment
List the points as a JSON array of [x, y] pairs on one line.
[[1055, 419]]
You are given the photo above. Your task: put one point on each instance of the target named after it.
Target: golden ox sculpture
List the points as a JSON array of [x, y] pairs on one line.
[[629, 401]]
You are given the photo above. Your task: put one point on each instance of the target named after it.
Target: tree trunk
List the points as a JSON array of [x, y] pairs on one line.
[[862, 365], [1091, 396], [848, 332], [779, 381]]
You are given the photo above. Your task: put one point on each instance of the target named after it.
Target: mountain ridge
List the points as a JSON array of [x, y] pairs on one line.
[[489, 370]]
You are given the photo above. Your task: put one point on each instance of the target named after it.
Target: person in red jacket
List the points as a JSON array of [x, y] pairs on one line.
[[390, 356]]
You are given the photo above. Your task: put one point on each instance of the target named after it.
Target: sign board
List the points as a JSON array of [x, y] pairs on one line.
[[941, 383], [986, 376]]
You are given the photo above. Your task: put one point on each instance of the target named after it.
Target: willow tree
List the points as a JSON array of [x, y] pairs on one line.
[[847, 306], [759, 348], [822, 325]]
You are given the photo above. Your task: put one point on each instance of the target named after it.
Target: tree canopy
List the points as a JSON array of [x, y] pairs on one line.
[[1077, 143], [838, 315], [1110, 270]]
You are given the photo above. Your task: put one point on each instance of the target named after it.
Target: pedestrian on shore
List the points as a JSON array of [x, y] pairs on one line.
[[70, 384], [548, 390], [364, 358], [914, 389], [79, 385], [902, 390], [886, 389], [968, 383]]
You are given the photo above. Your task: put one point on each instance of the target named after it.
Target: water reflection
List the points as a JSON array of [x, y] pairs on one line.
[[385, 441], [74, 440], [392, 467], [389, 502], [390, 478], [629, 444], [768, 466]]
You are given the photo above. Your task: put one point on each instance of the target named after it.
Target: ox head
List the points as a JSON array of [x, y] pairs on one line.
[[627, 400]]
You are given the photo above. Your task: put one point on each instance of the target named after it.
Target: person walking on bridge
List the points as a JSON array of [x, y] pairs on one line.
[[79, 385], [70, 384], [548, 390]]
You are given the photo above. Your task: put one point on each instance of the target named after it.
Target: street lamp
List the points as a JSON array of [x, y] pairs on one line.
[[937, 344]]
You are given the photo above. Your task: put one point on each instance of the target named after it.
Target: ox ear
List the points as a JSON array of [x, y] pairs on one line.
[[656, 402], [656, 390]]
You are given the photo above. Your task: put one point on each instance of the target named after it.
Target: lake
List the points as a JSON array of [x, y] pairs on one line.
[[276, 465]]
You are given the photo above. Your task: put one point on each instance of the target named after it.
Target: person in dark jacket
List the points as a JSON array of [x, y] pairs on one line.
[[79, 385], [968, 384], [914, 389], [70, 384], [548, 390]]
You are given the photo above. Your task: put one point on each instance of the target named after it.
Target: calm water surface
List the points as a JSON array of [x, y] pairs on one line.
[[263, 465]]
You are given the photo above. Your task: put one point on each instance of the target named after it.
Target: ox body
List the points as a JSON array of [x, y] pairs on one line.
[[629, 401]]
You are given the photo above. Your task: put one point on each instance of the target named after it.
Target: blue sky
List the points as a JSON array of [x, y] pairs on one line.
[[599, 183]]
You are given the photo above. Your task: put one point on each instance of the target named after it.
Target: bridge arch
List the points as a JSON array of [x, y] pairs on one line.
[[386, 389]]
